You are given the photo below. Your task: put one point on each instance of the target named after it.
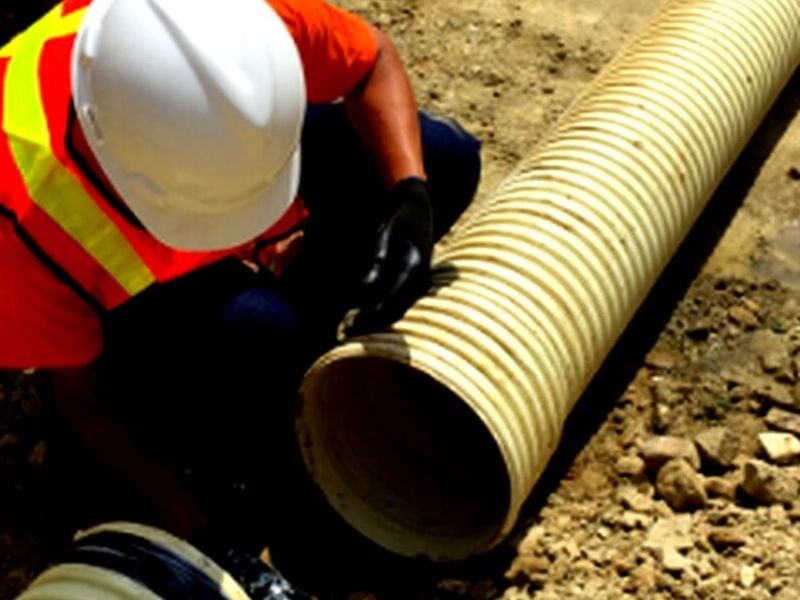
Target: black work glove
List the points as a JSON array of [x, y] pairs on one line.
[[400, 271]]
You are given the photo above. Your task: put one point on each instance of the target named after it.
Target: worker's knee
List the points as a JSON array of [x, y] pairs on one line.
[[453, 166]]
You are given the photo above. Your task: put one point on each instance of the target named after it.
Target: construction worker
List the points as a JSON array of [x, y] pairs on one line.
[[187, 212]]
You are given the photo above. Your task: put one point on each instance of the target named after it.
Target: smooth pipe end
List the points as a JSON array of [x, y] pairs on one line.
[[402, 458]]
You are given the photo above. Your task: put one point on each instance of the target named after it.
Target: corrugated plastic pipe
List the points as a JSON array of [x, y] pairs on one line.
[[428, 438], [127, 561]]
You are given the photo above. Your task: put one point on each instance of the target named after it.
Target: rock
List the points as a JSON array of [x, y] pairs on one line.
[[674, 561], [642, 580], [743, 317], [673, 531], [629, 466], [630, 498], [532, 540], [633, 520], [719, 487], [783, 420], [38, 454], [767, 390], [772, 352], [778, 514], [667, 538], [768, 484], [747, 576], [524, 567], [661, 359], [718, 446], [681, 486], [668, 391], [780, 447], [659, 449], [723, 538], [661, 418]]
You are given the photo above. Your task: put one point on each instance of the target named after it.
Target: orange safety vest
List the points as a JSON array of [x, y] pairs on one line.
[[58, 211]]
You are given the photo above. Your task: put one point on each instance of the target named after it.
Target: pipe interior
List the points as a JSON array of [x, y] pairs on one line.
[[402, 458]]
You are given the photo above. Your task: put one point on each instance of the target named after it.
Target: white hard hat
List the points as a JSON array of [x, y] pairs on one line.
[[193, 109]]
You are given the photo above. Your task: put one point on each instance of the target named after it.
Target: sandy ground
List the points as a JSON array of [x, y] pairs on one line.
[[507, 70]]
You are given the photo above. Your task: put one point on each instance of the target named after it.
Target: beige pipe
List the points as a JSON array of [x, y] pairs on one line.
[[429, 437], [76, 581]]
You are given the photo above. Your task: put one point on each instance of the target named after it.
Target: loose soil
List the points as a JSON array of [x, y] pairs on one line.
[[716, 345]]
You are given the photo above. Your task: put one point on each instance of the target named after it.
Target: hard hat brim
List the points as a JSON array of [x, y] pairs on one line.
[[206, 232]]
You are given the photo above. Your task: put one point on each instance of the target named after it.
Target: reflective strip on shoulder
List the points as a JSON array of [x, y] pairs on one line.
[[51, 185]]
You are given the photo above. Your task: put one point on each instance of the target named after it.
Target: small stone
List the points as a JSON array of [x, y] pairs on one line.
[[743, 317], [38, 454], [532, 540], [793, 173], [623, 565], [673, 531], [659, 449], [780, 447], [674, 561], [786, 375], [632, 499], [751, 305], [778, 514], [718, 446], [768, 484], [747, 576], [661, 359], [629, 466], [723, 538], [661, 418], [681, 486], [642, 579], [631, 520], [766, 390], [523, 567], [719, 487], [783, 420], [668, 391], [771, 350]]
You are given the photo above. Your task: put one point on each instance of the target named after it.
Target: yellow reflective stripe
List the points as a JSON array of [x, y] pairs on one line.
[[58, 26], [51, 185]]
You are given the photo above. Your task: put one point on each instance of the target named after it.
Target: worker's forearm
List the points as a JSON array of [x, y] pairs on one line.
[[383, 110], [112, 444]]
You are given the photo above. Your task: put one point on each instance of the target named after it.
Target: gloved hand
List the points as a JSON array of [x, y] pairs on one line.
[[400, 271]]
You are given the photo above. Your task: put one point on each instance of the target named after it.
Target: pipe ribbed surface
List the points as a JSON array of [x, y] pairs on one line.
[[127, 561], [429, 437]]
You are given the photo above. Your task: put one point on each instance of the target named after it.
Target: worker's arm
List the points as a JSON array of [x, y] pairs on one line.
[[383, 111], [78, 395]]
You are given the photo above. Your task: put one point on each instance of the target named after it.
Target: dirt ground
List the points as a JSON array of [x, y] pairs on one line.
[[716, 347]]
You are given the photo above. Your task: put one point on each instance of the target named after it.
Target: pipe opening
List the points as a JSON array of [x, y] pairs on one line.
[[402, 458]]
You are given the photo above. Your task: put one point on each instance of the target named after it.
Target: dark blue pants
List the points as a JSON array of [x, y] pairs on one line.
[[222, 349]]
